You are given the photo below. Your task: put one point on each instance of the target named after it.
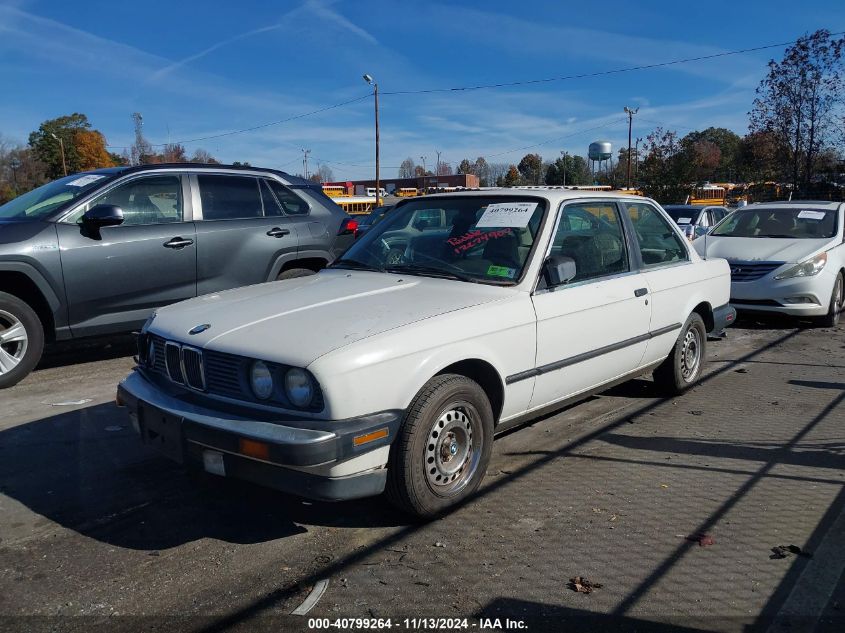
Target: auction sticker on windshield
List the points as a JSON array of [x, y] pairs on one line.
[[806, 214], [684, 220], [85, 180], [514, 215]]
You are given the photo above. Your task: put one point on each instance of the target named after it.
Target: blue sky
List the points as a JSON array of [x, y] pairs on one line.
[[202, 68]]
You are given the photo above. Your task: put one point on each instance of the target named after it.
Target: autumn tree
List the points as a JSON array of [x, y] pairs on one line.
[[407, 169], [174, 153], [465, 167], [728, 143], [569, 169], [797, 101], [444, 169], [511, 178], [531, 167], [47, 148], [202, 156]]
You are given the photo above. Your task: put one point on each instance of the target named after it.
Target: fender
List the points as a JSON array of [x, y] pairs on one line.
[[302, 254], [44, 287]]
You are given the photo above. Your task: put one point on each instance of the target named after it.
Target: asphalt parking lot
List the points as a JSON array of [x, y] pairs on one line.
[[673, 506]]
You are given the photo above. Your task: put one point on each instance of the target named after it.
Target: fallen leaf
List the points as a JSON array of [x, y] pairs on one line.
[[704, 540], [582, 585]]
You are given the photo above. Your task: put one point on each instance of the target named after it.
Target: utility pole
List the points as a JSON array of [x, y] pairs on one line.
[[437, 171], [305, 153], [369, 80], [630, 114], [637, 156], [62, 148], [564, 155], [422, 158]]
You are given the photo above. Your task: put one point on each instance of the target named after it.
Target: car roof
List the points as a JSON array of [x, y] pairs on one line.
[[552, 194], [294, 180], [797, 204]]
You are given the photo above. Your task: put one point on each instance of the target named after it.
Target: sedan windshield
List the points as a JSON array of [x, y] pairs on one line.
[[791, 223], [41, 202], [478, 239]]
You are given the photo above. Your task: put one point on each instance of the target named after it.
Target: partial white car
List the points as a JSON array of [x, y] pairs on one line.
[[785, 257], [695, 220], [393, 370]]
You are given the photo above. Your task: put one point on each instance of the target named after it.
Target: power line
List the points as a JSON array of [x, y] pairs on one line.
[[597, 73]]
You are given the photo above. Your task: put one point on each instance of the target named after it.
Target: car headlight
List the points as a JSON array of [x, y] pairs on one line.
[[807, 268], [151, 353], [261, 380], [299, 387]]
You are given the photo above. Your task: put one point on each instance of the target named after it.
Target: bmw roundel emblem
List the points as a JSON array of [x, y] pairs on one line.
[[198, 329]]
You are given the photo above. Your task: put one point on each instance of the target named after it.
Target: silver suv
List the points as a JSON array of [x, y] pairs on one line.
[[96, 253]]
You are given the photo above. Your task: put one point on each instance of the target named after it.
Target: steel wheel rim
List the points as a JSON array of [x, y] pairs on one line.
[[452, 451], [690, 354], [13, 342], [838, 293]]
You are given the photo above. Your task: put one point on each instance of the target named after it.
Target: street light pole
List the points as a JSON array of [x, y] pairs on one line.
[[62, 148], [15, 164], [630, 114], [374, 84]]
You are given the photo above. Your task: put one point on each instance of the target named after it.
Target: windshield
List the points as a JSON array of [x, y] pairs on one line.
[[41, 202], [792, 223], [683, 215], [480, 239]]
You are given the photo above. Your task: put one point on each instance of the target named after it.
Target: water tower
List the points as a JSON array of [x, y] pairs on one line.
[[599, 151]]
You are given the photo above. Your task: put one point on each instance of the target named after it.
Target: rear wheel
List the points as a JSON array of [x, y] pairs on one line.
[[21, 340], [443, 447], [293, 273], [837, 298], [682, 368]]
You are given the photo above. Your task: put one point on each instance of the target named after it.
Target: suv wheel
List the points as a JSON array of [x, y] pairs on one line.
[[293, 273], [837, 298], [443, 447], [682, 368], [21, 340]]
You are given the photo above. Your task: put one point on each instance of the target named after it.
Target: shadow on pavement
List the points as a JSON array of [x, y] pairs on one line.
[[87, 471], [87, 351]]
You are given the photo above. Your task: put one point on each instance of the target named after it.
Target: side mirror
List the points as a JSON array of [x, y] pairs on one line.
[[558, 270], [103, 215]]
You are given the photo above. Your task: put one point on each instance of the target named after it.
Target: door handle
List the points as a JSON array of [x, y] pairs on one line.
[[639, 292], [178, 242], [277, 232]]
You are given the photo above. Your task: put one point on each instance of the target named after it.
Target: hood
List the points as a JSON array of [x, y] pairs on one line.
[[26, 238], [299, 320], [767, 249]]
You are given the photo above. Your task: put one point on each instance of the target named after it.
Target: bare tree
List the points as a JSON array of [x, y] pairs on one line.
[[797, 101], [324, 173], [407, 168]]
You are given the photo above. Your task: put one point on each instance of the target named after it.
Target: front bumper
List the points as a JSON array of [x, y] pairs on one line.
[[798, 296], [295, 456]]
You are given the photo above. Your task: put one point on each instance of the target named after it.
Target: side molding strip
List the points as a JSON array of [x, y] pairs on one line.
[[580, 358]]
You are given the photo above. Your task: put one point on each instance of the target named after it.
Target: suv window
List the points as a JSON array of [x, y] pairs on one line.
[[659, 244], [591, 234], [291, 204], [148, 200], [229, 197]]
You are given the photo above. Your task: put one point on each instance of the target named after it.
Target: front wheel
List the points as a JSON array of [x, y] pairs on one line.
[[682, 368], [21, 340], [837, 298], [443, 447]]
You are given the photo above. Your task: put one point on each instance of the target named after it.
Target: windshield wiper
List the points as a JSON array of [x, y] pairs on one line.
[[354, 264], [428, 271]]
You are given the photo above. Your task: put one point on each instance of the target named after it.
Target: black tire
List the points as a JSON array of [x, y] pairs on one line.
[[293, 273], [678, 372], [25, 354], [421, 447], [837, 298]]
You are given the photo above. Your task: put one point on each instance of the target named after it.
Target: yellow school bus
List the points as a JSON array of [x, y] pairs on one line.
[[334, 191], [708, 194], [406, 192], [357, 205]]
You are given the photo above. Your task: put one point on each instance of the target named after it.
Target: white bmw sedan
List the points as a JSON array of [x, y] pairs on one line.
[[786, 257]]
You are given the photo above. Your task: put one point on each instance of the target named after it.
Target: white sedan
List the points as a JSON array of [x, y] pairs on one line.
[[394, 368], [786, 257]]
